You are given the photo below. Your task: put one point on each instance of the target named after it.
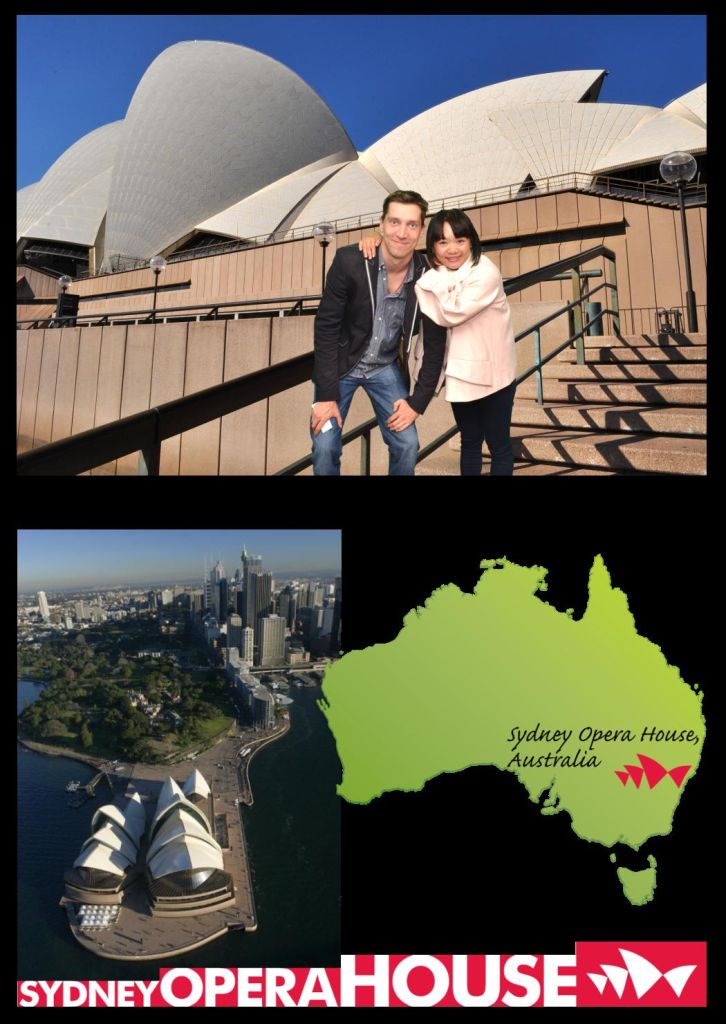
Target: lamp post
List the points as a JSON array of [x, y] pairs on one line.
[[60, 306], [325, 233], [157, 264], [678, 169]]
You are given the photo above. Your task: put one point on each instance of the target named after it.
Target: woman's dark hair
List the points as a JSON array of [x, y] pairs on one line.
[[461, 226]]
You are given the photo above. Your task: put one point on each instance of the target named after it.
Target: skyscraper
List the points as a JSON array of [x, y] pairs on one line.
[[247, 648], [250, 564], [335, 629], [43, 606], [258, 598], [234, 633], [222, 600], [271, 648]]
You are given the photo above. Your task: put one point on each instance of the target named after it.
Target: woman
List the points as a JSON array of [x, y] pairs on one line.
[[463, 291]]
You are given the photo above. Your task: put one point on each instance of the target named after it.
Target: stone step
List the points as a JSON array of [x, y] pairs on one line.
[[445, 462], [634, 354], [642, 340], [620, 418], [625, 372], [648, 394], [643, 452]]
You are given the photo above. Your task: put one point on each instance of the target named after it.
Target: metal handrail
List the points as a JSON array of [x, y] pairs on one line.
[[145, 431], [154, 316]]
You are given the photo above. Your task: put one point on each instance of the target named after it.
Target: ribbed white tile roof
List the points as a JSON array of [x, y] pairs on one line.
[[77, 217], [196, 785], [131, 823], [115, 839], [179, 824], [101, 858], [221, 138], [554, 138], [169, 791], [351, 191], [22, 199], [81, 163], [661, 134], [185, 854], [178, 800], [261, 213], [691, 105], [209, 124], [453, 148]]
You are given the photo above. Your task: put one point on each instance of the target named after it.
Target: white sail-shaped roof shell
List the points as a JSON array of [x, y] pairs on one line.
[[263, 212], [185, 854], [77, 217], [131, 824], [84, 162], [196, 785], [99, 857], [453, 148], [349, 193], [555, 139], [112, 837], [168, 792], [179, 824], [209, 124], [179, 801], [660, 134], [223, 139], [691, 105]]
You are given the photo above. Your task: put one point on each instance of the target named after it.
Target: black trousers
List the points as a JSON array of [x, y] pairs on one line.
[[487, 419]]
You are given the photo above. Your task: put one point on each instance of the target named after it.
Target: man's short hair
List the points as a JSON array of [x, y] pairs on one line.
[[411, 198]]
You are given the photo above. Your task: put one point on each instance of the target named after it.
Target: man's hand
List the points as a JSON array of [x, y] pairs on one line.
[[322, 412], [403, 415], [369, 245]]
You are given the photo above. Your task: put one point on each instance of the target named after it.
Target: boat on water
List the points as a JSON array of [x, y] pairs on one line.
[[72, 787]]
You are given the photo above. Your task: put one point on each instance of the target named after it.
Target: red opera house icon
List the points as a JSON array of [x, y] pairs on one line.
[[653, 771]]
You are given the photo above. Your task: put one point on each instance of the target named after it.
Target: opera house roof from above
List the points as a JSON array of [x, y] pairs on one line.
[[114, 845], [221, 139], [182, 847]]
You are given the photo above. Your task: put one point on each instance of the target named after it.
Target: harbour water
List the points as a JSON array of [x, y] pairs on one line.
[[293, 837]]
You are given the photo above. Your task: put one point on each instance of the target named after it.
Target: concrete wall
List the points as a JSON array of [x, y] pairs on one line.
[[73, 379], [519, 235]]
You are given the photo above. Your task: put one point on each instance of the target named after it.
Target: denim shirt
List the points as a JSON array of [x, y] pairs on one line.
[[387, 324]]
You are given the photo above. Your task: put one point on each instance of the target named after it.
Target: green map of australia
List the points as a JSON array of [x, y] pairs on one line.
[[586, 713]]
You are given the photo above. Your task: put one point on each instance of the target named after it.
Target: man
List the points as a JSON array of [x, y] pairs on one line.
[[363, 330]]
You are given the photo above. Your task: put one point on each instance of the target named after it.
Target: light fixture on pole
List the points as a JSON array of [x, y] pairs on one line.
[[325, 233], [678, 169], [157, 264], [64, 307]]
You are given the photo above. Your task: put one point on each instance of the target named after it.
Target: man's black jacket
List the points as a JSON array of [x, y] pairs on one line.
[[344, 324]]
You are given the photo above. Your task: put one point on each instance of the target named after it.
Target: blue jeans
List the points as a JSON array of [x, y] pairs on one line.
[[383, 390]]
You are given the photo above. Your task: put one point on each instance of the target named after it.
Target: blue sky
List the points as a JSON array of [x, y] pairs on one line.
[[77, 72], [63, 558]]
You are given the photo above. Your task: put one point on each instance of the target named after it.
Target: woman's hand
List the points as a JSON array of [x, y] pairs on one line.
[[369, 245]]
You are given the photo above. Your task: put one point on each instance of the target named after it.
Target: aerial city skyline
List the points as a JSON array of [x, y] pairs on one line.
[[166, 695], [62, 560], [246, 615]]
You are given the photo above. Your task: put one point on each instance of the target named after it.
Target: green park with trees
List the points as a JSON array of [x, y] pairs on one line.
[[102, 700]]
